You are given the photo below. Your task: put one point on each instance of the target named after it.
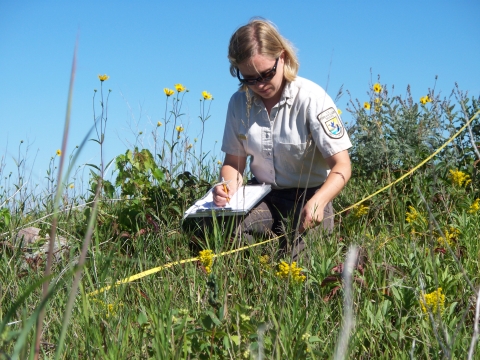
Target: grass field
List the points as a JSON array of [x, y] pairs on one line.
[[410, 291]]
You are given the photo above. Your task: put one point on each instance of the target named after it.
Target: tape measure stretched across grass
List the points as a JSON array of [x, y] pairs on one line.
[[169, 265]]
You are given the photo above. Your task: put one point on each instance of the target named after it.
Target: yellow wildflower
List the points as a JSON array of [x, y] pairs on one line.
[[59, 152], [339, 112], [159, 123], [377, 87], [459, 178], [179, 87], [219, 162], [425, 99], [306, 337], [71, 186], [103, 77], [450, 236], [189, 146], [168, 91], [378, 104], [360, 210], [183, 312], [434, 302], [264, 261], [412, 215], [206, 95], [244, 317], [206, 258], [366, 105], [179, 128], [285, 270], [474, 207], [108, 309]]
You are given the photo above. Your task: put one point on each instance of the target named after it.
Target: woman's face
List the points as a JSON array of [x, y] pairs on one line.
[[258, 65]]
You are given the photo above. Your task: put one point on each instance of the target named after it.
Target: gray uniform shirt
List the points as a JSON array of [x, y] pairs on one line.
[[288, 148]]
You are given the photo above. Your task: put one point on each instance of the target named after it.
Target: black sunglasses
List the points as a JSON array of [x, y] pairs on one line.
[[264, 77]]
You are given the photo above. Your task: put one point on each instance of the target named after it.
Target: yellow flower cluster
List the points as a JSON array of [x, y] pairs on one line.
[[292, 271], [459, 178], [59, 152], [264, 261], [306, 337], [366, 105], [206, 258], [103, 77], [425, 99], [108, 309], [179, 128], [207, 95], [377, 87], [475, 207], [434, 302], [180, 87], [378, 104], [360, 210], [339, 112], [450, 236], [412, 214], [168, 91]]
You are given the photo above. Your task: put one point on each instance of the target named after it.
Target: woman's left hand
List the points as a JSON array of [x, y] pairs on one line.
[[311, 216]]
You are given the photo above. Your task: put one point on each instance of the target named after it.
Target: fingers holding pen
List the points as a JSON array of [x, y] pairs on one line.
[[220, 196]]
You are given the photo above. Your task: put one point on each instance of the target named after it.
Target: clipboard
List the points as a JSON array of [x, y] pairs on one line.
[[241, 202]]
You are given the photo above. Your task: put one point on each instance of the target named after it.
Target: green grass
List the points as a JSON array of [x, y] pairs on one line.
[[243, 309]]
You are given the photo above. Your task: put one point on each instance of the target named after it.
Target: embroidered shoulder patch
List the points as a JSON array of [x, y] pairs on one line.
[[331, 123]]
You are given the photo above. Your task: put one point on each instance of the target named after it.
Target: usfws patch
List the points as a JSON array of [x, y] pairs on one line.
[[331, 123]]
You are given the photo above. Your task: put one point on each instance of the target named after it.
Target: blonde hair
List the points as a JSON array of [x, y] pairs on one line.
[[261, 37]]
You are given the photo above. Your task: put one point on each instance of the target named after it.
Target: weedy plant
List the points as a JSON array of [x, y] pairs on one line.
[[413, 282]]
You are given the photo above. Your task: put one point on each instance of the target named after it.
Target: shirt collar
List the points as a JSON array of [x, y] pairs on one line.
[[289, 92]]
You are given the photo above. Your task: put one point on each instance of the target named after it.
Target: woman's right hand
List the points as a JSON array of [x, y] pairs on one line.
[[220, 197]]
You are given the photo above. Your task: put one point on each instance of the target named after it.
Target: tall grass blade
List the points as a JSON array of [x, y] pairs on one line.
[[56, 202], [78, 271], [348, 321], [475, 328]]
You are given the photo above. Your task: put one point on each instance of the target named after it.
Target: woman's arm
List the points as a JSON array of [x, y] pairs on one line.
[[312, 213], [232, 169]]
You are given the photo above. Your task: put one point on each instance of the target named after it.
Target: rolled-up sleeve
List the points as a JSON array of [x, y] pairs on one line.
[[231, 143]]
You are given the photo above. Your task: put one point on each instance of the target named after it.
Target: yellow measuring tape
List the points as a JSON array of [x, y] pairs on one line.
[[169, 265]]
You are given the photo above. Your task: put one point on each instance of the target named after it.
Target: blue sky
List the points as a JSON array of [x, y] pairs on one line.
[[145, 46]]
